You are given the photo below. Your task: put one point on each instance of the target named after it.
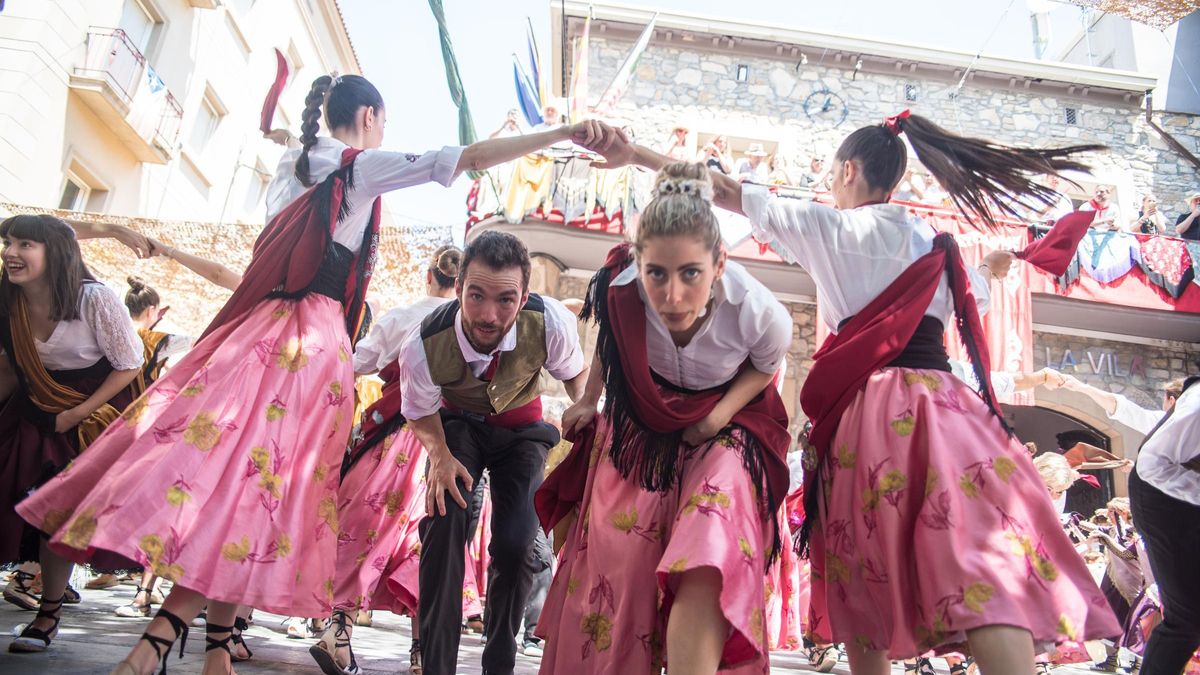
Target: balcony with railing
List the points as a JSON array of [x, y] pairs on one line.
[[1120, 283], [118, 84]]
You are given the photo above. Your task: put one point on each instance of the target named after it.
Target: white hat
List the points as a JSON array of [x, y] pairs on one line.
[[756, 150]]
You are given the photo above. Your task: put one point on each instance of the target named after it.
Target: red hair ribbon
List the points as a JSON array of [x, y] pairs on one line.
[[892, 123]]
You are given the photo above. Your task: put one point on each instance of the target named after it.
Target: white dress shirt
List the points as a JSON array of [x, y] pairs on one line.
[[375, 172], [1135, 416], [853, 255], [103, 330], [374, 352], [745, 322], [422, 398], [1160, 462]]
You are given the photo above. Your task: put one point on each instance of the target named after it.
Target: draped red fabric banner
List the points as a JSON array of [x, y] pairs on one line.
[[272, 99]]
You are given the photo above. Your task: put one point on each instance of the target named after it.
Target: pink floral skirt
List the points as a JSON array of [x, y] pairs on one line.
[[380, 504], [223, 476], [933, 522], [786, 595], [607, 608]]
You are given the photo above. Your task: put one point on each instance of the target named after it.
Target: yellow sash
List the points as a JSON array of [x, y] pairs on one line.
[[44, 391]]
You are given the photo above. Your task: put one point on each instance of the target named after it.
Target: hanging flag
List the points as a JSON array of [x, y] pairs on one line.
[[535, 64], [272, 99], [579, 75], [620, 82], [527, 98], [466, 126]]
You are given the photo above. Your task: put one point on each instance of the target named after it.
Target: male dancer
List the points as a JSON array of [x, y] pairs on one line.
[[470, 392]]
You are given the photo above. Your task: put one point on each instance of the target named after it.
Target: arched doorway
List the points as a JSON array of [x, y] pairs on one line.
[[1054, 431]]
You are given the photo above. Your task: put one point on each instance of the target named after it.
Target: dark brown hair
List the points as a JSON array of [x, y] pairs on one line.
[[498, 250], [341, 99], [65, 270], [445, 265], [139, 297], [980, 176]]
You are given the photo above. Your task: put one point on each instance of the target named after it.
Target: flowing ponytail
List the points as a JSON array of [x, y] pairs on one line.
[[310, 124], [981, 176], [341, 98]]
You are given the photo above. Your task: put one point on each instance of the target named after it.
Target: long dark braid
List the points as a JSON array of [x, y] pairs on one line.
[[342, 99], [310, 124]]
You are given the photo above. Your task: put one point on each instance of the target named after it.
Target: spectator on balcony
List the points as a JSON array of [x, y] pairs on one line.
[[715, 155], [753, 167], [910, 189], [817, 176], [1187, 225], [1149, 220], [1061, 205], [777, 170], [676, 146], [1108, 216], [511, 126]]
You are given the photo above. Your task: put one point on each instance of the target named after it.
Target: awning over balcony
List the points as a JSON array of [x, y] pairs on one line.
[[122, 88]]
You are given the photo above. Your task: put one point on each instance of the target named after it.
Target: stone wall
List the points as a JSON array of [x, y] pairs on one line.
[[696, 85], [1137, 371]]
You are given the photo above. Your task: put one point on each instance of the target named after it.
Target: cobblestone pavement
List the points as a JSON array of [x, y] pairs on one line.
[[93, 639]]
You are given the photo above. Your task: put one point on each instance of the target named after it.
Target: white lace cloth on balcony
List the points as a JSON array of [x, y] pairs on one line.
[[103, 329]]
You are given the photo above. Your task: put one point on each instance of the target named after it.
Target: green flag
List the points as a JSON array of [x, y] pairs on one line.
[[466, 126]]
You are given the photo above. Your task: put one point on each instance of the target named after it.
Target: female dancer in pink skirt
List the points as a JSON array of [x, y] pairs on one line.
[[931, 528], [223, 476], [382, 494], [686, 472], [69, 364]]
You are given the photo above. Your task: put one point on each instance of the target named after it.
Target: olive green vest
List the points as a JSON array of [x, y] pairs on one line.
[[515, 381]]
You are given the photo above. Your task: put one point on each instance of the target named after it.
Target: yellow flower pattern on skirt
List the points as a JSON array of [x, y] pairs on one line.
[[223, 476], [933, 522]]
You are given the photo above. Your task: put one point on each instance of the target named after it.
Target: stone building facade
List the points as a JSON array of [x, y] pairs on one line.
[[696, 82]]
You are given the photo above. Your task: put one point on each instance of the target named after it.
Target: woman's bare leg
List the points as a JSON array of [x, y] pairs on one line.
[[697, 629]]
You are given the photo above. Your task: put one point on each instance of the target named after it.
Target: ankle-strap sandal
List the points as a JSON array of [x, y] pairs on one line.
[[21, 592], [35, 639], [325, 655], [239, 625], [162, 646]]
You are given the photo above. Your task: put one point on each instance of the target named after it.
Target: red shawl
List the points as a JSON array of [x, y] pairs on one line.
[[1054, 252], [292, 246], [764, 418]]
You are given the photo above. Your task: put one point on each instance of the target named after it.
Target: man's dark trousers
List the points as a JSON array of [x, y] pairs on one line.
[[1170, 528], [515, 461]]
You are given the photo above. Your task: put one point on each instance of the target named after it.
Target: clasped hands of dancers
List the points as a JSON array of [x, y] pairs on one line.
[[931, 532]]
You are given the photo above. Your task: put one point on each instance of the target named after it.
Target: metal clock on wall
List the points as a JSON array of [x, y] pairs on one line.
[[825, 107]]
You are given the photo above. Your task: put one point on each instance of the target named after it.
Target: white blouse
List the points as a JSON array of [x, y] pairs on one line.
[[103, 330], [383, 344], [375, 172], [745, 321], [853, 255], [1168, 458]]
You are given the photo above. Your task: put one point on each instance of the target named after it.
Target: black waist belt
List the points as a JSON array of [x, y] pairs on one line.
[[331, 276], [926, 348]]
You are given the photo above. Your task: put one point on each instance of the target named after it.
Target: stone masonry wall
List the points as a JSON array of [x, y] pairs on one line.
[[677, 84], [1135, 371]]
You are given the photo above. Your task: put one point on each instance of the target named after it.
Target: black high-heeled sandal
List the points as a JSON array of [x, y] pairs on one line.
[[72, 596], [325, 654], [20, 593], [213, 644], [33, 640], [162, 646], [239, 625]]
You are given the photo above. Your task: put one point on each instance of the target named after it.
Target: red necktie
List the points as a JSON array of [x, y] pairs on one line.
[[490, 371]]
